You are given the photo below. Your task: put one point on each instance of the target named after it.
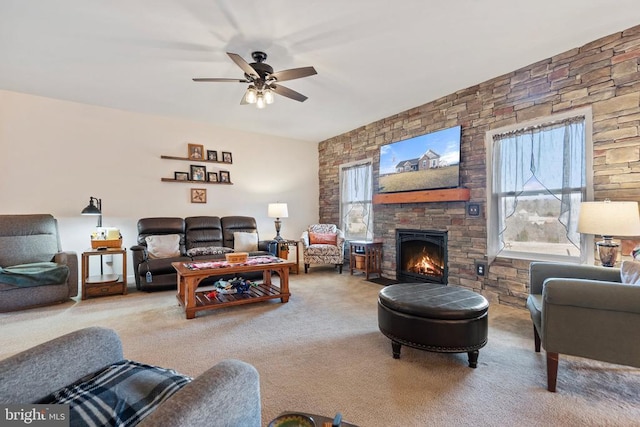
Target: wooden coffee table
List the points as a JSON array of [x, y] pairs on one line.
[[190, 274]]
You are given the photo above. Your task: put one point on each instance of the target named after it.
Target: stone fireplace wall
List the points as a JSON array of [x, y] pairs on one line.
[[603, 74]]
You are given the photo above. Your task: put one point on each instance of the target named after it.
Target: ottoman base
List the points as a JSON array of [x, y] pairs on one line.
[[461, 335]]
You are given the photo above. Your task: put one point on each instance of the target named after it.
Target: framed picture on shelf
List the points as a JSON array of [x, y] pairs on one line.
[[198, 195], [181, 176], [212, 155], [198, 173], [226, 157], [224, 176], [212, 176], [196, 152]]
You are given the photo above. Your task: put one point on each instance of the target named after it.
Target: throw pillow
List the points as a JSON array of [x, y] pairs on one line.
[[323, 238], [165, 246], [245, 242], [630, 272], [209, 250], [120, 395]]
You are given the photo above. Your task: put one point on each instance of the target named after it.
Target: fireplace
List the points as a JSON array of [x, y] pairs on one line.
[[421, 256]]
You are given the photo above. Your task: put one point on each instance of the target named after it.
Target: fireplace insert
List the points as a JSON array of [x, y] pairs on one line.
[[421, 256]]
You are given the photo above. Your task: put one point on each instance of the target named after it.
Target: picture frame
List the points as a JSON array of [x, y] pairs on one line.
[[195, 152], [226, 157], [212, 155], [224, 176], [212, 176], [198, 173], [198, 195], [181, 176]]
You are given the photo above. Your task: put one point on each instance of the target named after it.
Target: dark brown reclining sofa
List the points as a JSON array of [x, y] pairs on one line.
[[194, 232]]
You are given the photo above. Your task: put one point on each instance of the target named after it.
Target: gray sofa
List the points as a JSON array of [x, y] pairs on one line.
[[26, 239], [194, 232], [228, 394], [583, 311]]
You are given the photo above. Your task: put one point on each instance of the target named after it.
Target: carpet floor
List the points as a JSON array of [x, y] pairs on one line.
[[322, 353]]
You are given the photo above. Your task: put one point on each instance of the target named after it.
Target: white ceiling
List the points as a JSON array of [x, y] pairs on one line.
[[374, 58]]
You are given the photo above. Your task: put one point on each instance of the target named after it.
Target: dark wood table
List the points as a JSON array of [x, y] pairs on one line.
[[369, 253], [190, 274]]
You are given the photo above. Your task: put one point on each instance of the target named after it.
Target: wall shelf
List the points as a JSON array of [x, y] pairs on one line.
[[195, 182], [425, 196]]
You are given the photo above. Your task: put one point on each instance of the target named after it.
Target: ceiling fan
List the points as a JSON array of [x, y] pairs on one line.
[[263, 81]]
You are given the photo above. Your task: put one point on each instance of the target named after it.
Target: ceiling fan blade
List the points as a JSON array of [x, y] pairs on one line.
[[248, 69], [289, 93], [214, 79], [294, 73]]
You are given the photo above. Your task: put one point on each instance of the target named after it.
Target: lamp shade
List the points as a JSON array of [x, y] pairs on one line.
[[609, 218], [278, 210], [91, 209]]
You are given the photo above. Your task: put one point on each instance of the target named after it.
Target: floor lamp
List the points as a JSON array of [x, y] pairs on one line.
[[609, 219], [92, 209]]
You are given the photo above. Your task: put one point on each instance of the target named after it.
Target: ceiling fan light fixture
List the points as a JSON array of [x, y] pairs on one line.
[[252, 95], [260, 102], [262, 80], [268, 96]]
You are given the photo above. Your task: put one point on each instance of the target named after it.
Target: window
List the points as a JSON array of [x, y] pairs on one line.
[[356, 193], [537, 176]]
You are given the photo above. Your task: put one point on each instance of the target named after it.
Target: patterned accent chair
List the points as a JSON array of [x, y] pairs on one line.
[[323, 244]]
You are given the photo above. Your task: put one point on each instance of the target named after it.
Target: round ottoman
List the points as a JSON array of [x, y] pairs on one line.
[[433, 317]]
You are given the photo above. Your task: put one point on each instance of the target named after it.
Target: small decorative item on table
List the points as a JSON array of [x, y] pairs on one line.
[[237, 257], [106, 237], [237, 285], [293, 420]]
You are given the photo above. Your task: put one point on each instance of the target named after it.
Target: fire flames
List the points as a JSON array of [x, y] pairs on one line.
[[425, 265]]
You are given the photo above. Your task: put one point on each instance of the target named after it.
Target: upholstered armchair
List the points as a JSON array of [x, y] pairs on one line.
[[323, 244], [87, 370], [34, 241], [585, 311]]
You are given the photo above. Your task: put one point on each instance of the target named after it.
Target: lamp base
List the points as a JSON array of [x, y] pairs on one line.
[[607, 251], [278, 223]]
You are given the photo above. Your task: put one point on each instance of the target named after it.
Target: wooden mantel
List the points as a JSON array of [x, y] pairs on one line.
[[426, 196]]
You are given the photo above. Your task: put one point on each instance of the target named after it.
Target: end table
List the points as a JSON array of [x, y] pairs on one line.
[[283, 252], [366, 257], [104, 284]]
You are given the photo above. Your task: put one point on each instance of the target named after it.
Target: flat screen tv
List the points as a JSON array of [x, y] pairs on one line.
[[424, 162]]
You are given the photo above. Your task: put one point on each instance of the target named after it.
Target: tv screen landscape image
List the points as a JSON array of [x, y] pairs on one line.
[[424, 162]]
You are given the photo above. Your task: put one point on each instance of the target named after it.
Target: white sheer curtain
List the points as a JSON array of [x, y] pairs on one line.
[[554, 156], [356, 193]]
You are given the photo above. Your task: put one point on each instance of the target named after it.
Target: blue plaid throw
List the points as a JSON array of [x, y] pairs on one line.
[[120, 395]]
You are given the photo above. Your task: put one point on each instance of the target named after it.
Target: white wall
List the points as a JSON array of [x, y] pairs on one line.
[[55, 154]]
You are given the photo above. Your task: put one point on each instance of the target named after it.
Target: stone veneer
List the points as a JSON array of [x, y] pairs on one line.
[[603, 74]]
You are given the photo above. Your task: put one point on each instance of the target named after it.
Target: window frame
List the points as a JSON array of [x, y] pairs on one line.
[[342, 167], [586, 255]]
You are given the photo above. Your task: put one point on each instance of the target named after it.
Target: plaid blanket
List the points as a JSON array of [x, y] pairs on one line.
[[120, 395]]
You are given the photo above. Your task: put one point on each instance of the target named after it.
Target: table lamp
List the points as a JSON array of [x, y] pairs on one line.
[[609, 219], [277, 211]]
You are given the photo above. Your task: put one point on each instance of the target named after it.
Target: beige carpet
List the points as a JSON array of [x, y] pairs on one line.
[[322, 353]]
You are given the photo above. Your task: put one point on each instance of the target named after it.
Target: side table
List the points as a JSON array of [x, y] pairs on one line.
[[366, 257], [103, 284], [283, 252]]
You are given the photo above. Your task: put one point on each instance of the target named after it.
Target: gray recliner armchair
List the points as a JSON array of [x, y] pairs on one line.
[[583, 311], [228, 394], [28, 239]]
